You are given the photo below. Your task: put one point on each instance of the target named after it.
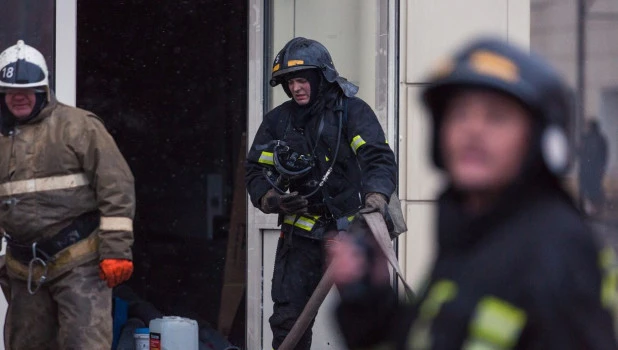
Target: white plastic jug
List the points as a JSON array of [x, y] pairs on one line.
[[142, 339], [173, 333]]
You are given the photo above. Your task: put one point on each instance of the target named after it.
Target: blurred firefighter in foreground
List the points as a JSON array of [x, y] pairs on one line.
[[517, 267], [316, 160], [66, 207]]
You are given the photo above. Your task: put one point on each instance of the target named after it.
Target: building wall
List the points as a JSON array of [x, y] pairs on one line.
[[429, 30]]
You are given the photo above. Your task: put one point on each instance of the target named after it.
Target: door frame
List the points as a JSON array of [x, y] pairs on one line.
[[65, 50]]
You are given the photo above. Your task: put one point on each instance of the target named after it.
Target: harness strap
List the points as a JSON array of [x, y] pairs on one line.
[[45, 249]]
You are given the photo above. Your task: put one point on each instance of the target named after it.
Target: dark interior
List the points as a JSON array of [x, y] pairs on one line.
[[169, 79]]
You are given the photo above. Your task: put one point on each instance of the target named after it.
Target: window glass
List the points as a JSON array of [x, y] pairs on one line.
[[33, 22], [169, 78], [580, 37]]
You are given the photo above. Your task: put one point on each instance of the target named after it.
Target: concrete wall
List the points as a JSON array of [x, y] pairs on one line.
[[430, 30]]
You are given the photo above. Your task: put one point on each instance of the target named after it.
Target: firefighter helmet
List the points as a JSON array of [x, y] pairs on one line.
[[301, 53], [22, 66], [502, 67]]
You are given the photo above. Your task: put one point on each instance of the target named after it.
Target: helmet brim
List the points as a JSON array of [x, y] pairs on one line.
[[441, 90], [277, 77]]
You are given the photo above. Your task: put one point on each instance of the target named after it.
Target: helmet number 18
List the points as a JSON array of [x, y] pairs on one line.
[[7, 72]]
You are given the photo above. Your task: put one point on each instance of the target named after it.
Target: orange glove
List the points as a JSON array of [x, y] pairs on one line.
[[115, 271]]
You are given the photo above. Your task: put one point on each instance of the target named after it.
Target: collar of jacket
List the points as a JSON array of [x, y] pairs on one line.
[[458, 230]]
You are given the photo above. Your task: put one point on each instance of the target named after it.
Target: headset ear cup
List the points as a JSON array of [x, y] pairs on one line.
[[555, 149]]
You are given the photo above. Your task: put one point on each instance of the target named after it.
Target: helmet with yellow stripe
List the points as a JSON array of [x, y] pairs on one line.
[[499, 66], [301, 54]]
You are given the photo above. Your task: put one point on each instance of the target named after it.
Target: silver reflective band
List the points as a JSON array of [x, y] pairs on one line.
[[116, 223], [357, 142], [302, 222], [43, 184], [266, 158]]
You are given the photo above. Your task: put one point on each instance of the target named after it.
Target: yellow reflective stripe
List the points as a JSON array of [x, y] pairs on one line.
[[440, 293], [266, 158], [276, 67], [44, 184], [292, 63], [302, 222], [490, 63], [116, 223], [607, 257], [327, 159], [477, 344], [609, 283], [351, 217], [497, 322], [357, 141], [289, 219]]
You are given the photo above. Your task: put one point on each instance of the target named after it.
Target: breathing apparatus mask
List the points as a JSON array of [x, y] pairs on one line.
[[289, 164]]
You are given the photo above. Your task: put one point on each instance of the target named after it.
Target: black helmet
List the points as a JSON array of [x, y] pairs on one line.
[[301, 53], [502, 67]]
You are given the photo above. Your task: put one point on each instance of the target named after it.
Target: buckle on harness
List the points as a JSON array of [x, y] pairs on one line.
[[31, 265]]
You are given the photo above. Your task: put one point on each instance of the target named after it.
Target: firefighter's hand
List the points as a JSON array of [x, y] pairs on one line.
[[115, 271], [348, 261], [375, 202], [291, 203], [356, 258]]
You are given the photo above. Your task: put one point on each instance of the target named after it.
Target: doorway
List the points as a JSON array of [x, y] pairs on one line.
[[169, 79]]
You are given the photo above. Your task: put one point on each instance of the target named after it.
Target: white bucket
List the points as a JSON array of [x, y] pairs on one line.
[[142, 339], [173, 333]]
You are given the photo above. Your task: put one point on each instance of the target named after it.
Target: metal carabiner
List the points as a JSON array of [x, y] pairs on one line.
[[31, 265]]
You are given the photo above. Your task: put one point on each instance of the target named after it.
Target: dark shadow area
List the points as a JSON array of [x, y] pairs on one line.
[[169, 79], [33, 22]]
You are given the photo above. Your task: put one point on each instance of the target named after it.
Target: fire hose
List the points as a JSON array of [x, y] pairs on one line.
[[378, 228]]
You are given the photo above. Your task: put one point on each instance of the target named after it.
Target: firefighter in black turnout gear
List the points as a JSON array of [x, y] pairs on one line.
[[316, 160], [517, 267]]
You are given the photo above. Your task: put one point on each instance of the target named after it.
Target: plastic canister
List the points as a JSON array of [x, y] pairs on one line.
[[142, 339], [173, 333]]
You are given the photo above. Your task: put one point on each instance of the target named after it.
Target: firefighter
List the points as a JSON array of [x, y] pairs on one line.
[[66, 207], [517, 267], [316, 160]]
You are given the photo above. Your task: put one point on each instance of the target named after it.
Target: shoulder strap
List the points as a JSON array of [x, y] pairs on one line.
[[345, 117]]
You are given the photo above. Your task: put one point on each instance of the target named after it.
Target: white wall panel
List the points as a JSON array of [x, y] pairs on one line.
[[436, 27]]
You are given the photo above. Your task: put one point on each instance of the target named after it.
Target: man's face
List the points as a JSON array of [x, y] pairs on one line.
[[300, 89], [20, 102], [484, 140]]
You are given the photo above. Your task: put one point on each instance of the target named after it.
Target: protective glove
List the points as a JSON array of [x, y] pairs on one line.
[[115, 271], [292, 203], [375, 202]]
